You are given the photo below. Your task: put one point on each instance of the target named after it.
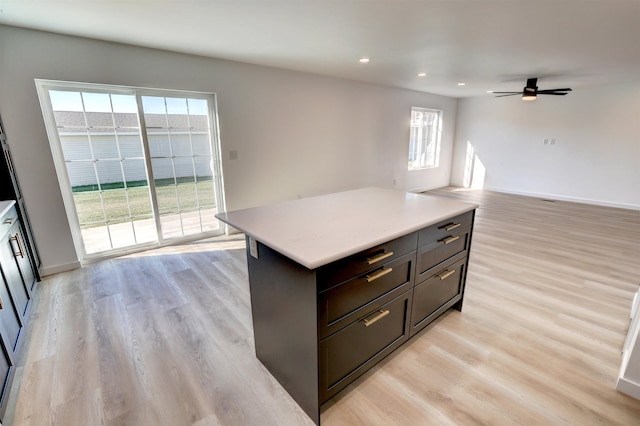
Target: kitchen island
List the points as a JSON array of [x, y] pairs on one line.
[[340, 281]]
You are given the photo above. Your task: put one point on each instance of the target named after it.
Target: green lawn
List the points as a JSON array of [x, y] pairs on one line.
[[89, 207]]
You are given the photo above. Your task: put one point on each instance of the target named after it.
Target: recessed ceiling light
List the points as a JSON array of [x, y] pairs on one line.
[[489, 91], [462, 84], [364, 60], [422, 74]]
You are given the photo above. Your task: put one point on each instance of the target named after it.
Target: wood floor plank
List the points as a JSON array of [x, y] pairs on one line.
[[33, 405], [165, 337], [76, 345], [85, 409], [122, 387]]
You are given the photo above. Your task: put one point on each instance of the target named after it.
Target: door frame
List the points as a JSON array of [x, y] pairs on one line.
[[43, 86]]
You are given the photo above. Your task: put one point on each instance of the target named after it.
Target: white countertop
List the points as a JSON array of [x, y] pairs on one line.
[[5, 206], [318, 230]]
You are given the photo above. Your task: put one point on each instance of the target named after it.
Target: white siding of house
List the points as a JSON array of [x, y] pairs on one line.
[[77, 147]]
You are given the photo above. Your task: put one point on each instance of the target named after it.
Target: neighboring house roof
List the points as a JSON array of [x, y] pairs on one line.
[[74, 121]]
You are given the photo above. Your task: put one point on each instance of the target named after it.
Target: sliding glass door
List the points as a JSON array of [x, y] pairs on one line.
[[179, 134], [137, 167]]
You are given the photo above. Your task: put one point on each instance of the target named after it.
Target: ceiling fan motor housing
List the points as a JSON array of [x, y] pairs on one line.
[[530, 91]]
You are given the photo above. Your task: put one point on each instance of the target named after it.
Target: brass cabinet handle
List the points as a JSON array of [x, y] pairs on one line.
[[20, 246], [450, 239], [445, 274], [9, 221], [1, 303], [20, 253], [450, 226], [378, 258], [380, 273], [381, 314]]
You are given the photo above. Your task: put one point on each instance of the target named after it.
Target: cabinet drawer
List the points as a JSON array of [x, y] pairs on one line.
[[437, 294], [432, 254], [7, 221], [350, 352], [9, 317], [341, 270], [342, 304], [445, 229]]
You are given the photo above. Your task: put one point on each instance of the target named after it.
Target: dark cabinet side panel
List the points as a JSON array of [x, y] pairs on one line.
[[285, 322]]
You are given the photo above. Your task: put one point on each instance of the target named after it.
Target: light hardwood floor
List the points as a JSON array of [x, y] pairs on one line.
[[165, 337]]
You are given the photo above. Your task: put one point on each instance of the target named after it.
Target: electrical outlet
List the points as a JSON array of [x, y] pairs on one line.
[[253, 248], [546, 141], [553, 141]]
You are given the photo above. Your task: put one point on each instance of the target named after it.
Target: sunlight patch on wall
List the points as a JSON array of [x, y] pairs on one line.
[[477, 179], [474, 169]]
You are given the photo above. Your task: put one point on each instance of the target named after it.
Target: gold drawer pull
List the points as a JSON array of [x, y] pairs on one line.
[[20, 253], [378, 258], [450, 239], [445, 274], [380, 273], [1, 303], [451, 226], [9, 221], [381, 314]]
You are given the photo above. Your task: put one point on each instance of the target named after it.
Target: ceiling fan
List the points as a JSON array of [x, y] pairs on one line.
[[530, 92]]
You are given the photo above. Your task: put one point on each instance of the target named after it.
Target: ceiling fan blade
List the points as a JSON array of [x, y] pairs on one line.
[[554, 90], [531, 90]]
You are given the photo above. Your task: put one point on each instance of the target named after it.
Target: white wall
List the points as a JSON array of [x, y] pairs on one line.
[[295, 134], [596, 157]]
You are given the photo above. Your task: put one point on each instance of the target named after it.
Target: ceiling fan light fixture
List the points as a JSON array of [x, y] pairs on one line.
[[530, 91]]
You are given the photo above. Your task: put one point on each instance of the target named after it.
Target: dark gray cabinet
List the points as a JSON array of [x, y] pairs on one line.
[[16, 283], [9, 259], [10, 190], [19, 268], [9, 317], [7, 371], [317, 330]]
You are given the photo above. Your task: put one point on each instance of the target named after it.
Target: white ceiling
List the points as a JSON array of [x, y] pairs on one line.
[[488, 44]]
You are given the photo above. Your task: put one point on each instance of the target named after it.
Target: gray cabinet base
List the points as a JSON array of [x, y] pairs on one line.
[[293, 337], [285, 324]]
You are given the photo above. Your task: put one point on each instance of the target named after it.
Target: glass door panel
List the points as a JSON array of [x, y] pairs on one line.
[[101, 144], [178, 131]]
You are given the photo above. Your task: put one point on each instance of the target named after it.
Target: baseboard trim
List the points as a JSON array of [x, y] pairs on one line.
[[50, 270], [628, 387], [424, 189], [564, 198]]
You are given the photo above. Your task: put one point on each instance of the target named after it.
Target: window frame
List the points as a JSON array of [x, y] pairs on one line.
[[420, 148]]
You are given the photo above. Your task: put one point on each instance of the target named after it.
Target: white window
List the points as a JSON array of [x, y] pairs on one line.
[[424, 138]]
